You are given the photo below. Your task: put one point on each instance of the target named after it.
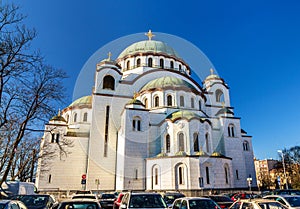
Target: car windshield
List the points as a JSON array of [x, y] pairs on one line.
[[35, 200], [108, 196], [203, 204], [271, 205], [79, 205], [84, 197], [147, 201], [293, 201]]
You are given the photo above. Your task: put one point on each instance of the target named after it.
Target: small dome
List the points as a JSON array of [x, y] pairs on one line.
[[217, 154], [58, 118], [201, 153], [86, 100], [167, 81], [162, 154], [135, 101], [149, 46], [182, 114], [181, 153], [224, 110]]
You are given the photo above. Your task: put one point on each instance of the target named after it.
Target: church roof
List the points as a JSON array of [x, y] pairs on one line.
[[182, 114], [167, 81], [223, 111], [149, 46], [58, 118], [86, 100], [135, 101]]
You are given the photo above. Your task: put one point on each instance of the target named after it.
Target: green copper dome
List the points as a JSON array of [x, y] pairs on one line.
[[149, 46], [86, 100], [167, 81], [182, 114]]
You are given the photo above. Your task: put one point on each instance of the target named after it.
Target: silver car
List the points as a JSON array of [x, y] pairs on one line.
[[290, 201], [195, 203]]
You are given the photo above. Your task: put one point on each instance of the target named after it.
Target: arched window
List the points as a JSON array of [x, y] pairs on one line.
[[156, 176], [156, 101], [169, 100], [207, 142], [200, 108], [231, 130], [219, 95], [196, 142], [150, 62], [161, 63], [172, 65], [181, 101], [192, 103], [85, 117], [128, 65], [136, 124], [207, 175], [245, 146], [181, 175], [136, 174], [138, 62], [168, 143], [179, 67], [181, 142], [67, 118], [226, 170], [146, 103], [75, 117], [109, 82]]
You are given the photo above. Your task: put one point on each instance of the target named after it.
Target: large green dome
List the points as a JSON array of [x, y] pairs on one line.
[[86, 100], [167, 81], [149, 46]]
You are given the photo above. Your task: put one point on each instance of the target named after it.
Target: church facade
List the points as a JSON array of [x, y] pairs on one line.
[[148, 125]]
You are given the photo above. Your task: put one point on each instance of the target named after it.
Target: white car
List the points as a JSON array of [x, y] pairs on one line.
[[85, 196], [195, 203], [257, 204], [290, 201]]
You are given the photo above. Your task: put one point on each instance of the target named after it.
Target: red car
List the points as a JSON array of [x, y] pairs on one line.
[[117, 202], [241, 196]]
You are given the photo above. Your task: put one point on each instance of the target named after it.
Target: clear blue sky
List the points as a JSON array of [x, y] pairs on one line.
[[254, 45]]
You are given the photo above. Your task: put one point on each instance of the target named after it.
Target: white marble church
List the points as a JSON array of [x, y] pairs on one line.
[[148, 125]]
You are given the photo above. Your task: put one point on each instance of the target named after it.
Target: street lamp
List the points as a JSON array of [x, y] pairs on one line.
[[286, 181]]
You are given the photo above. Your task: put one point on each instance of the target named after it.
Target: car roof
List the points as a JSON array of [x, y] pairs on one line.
[[80, 200], [282, 195], [193, 198], [256, 200]]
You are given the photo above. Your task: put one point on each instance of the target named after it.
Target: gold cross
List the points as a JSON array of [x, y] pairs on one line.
[[109, 56], [150, 35], [211, 71]]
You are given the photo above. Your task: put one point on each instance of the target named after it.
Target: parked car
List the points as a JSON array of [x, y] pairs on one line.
[[170, 197], [291, 201], [12, 204], [222, 200], [36, 201], [79, 204], [117, 201], [143, 200], [195, 203], [85, 196], [241, 195], [258, 203], [83, 192], [284, 191], [107, 200]]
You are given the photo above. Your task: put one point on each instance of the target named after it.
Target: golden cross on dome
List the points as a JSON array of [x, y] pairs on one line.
[[150, 35], [211, 71], [109, 56]]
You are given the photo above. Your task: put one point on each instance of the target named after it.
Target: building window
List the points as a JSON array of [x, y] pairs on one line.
[[52, 138], [181, 142], [57, 138], [192, 103], [237, 174], [219, 96], [196, 142], [136, 124], [128, 65], [207, 175], [207, 142], [169, 100], [156, 101], [138, 62], [106, 131], [67, 117], [85, 117], [150, 62], [179, 67], [181, 101], [172, 65], [226, 175], [136, 174], [200, 108], [161, 63], [109, 82], [168, 143], [156, 176], [146, 103], [231, 130], [245, 146], [49, 178], [181, 175], [75, 118]]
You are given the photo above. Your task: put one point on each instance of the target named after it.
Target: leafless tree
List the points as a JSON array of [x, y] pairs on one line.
[[29, 91]]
